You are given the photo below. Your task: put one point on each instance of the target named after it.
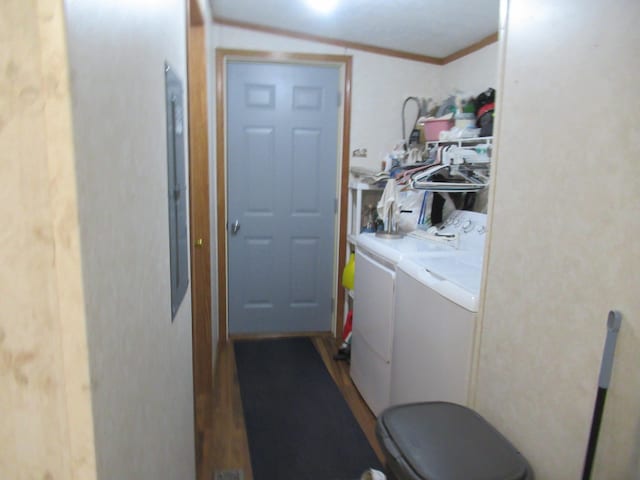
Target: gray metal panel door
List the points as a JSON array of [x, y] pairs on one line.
[[282, 133]]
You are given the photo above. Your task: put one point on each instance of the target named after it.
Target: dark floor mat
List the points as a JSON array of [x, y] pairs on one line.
[[299, 425]]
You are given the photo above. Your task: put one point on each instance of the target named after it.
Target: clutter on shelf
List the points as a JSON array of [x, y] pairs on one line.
[[368, 176], [448, 150], [459, 116]]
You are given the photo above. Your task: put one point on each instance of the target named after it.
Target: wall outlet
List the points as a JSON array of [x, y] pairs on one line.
[[359, 152]]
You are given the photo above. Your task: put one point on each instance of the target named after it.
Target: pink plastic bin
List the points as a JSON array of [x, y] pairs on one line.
[[432, 128]]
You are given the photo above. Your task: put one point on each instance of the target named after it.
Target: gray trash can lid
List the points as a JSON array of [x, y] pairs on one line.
[[441, 440]]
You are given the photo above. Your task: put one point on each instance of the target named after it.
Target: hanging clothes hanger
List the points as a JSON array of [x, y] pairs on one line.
[[453, 163]]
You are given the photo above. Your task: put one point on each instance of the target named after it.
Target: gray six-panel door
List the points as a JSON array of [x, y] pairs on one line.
[[282, 129]]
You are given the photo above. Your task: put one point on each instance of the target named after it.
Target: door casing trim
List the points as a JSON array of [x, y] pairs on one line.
[[222, 56]]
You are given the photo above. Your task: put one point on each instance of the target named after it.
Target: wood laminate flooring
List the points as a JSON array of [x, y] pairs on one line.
[[221, 437]]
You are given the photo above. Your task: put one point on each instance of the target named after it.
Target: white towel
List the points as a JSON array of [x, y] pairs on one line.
[[389, 203]]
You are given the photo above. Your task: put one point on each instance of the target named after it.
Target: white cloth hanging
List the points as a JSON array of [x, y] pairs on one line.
[[389, 206]]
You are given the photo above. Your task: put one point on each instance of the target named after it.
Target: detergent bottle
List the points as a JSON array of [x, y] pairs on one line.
[[349, 272]]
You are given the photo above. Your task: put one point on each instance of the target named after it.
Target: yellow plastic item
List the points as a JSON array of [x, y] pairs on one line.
[[348, 273]]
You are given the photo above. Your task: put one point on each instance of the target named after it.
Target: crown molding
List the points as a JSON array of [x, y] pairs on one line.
[[474, 47], [328, 40], [360, 46]]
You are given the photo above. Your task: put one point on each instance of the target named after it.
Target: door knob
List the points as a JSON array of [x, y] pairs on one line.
[[199, 242], [235, 226]]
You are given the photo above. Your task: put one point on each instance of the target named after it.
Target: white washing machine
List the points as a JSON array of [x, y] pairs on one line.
[[435, 308], [373, 311]]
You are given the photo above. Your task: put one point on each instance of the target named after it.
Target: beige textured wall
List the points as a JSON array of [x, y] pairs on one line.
[[473, 73], [46, 424], [141, 370], [564, 229]]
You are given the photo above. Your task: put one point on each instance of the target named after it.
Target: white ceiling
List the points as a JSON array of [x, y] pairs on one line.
[[434, 28]]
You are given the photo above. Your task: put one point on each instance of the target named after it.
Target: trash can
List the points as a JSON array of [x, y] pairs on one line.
[[446, 441]]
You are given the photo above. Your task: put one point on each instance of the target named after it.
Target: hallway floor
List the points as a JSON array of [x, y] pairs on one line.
[[221, 439]]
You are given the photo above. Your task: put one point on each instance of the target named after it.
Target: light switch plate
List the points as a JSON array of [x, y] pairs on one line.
[[360, 152]]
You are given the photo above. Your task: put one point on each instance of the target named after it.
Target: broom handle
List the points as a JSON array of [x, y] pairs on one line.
[[613, 327]]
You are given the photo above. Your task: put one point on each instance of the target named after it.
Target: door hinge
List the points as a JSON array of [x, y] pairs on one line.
[[339, 98]]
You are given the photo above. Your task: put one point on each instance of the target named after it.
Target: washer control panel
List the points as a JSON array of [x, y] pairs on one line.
[[469, 227]]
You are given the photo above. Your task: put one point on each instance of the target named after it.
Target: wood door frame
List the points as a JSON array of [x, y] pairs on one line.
[[222, 56], [199, 222]]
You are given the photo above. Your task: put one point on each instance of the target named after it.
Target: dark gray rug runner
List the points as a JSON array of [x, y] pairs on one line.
[[299, 425]]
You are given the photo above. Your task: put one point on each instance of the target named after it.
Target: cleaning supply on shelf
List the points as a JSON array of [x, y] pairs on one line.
[[370, 226]]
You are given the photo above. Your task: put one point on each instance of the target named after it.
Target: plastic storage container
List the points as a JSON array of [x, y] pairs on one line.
[[446, 441], [465, 120], [434, 126]]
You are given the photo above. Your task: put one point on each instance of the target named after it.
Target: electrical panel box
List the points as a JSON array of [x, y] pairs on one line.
[[177, 189]]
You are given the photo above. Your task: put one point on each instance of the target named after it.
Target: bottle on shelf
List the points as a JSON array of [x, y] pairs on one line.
[[370, 226]]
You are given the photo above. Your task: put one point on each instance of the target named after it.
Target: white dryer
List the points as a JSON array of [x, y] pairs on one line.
[[435, 309]]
